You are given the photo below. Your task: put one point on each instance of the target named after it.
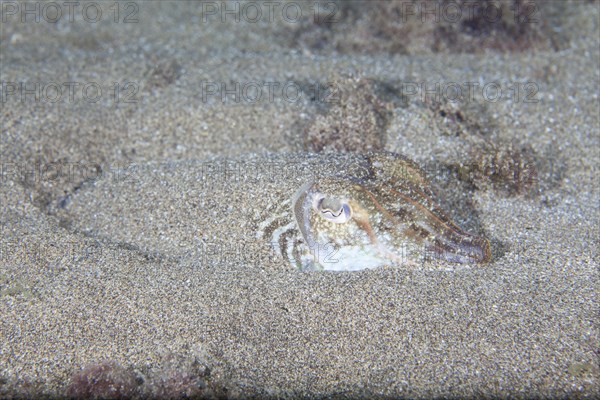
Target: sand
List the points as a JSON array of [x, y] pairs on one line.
[[103, 213]]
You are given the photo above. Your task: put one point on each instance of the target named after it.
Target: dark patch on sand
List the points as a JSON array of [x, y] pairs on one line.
[[163, 73], [503, 166], [177, 376], [402, 27], [355, 121]]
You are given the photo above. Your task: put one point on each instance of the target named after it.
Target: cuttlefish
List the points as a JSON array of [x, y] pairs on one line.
[[387, 216]]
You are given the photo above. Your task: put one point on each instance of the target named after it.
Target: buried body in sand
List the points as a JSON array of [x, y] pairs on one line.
[[338, 212]]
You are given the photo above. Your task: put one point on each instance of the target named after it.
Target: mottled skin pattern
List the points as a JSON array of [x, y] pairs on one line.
[[385, 215]]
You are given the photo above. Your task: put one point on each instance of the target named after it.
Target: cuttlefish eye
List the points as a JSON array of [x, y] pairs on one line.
[[332, 209]]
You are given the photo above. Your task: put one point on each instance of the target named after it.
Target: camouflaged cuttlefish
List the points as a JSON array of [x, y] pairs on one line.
[[385, 216]]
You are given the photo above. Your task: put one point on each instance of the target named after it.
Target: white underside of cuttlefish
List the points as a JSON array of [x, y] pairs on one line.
[[387, 218]]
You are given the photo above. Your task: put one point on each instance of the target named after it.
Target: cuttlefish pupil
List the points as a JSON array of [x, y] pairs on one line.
[[387, 218], [333, 209]]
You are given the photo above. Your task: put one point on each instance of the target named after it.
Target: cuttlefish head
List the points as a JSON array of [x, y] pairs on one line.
[[349, 224]]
